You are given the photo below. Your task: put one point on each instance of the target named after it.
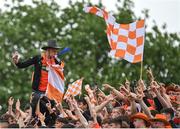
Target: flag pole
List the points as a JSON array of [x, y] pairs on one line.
[[141, 70]]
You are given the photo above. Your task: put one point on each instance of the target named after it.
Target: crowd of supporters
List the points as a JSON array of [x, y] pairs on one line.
[[151, 105]]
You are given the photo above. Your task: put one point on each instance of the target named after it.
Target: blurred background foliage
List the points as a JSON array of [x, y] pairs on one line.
[[26, 27]]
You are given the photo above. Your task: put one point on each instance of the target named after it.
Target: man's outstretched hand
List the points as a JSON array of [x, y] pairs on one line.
[[15, 57]]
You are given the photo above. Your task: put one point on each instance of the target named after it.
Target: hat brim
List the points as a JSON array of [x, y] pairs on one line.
[[46, 47], [161, 120], [140, 117]]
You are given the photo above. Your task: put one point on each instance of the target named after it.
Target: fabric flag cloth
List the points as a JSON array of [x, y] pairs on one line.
[[74, 89], [126, 40], [55, 87]]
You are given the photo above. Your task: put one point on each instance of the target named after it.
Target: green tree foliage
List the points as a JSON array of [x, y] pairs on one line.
[[26, 27]]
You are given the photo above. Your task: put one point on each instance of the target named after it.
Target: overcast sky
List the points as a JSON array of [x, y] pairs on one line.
[[162, 11]]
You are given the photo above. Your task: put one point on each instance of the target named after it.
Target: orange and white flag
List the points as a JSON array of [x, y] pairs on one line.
[[55, 87], [126, 40], [74, 88]]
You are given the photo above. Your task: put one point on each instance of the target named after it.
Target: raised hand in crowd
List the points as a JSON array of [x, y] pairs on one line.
[[146, 110], [69, 102], [79, 114], [102, 109], [18, 104], [150, 74], [127, 84], [10, 104], [155, 88], [61, 110], [11, 101], [70, 114], [116, 92], [141, 85], [90, 93], [164, 95]]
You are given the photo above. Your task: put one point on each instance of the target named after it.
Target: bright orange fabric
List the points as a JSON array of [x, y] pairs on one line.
[[44, 74], [74, 89], [126, 40], [96, 125], [54, 93], [43, 81]]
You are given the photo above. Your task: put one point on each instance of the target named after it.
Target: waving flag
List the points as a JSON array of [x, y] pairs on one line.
[[55, 88], [74, 89], [126, 40]]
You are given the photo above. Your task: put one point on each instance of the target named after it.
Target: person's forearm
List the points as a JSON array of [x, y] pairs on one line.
[[95, 118], [117, 93], [70, 106], [90, 105], [73, 117], [21, 122], [145, 108], [81, 117], [10, 110], [162, 101], [93, 113], [27, 63], [91, 96], [43, 123], [62, 112], [167, 99], [22, 113], [133, 107], [29, 116], [106, 115], [101, 106]]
